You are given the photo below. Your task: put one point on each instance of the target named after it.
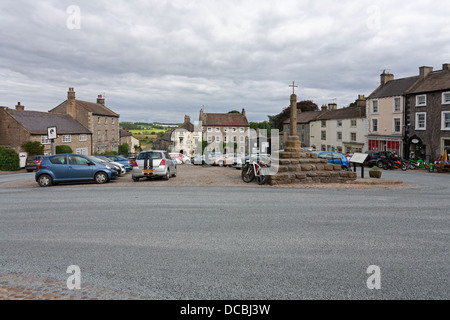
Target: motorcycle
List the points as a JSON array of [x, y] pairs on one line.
[[416, 164], [394, 162]]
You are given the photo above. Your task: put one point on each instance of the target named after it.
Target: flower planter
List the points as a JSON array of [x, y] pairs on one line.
[[375, 174]]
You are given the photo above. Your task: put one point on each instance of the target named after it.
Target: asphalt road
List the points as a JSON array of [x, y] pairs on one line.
[[235, 243]]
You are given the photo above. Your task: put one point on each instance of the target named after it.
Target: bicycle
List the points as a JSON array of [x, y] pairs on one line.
[[254, 169]]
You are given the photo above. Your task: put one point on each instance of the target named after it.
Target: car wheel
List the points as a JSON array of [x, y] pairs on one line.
[[380, 164], [45, 180], [167, 175], [136, 179], [220, 163], [174, 174], [101, 177]]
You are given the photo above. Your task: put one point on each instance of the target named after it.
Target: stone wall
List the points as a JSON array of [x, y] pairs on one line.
[[305, 167]]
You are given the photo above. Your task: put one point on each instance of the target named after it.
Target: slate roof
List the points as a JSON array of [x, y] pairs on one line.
[[343, 113], [37, 122], [394, 88], [304, 117], [435, 81], [187, 126], [95, 108], [124, 133], [225, 119]]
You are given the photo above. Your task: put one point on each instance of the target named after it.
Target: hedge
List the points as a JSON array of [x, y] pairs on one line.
[[9, 160], [63, 149]]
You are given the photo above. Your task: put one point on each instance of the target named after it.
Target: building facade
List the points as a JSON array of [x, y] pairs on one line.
[[229, 128], [428, 113], [101, 121], [185, 138], [18, 126], [128, 138], [385, 109]]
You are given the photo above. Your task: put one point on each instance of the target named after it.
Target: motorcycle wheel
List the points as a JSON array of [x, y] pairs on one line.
[[404, 167], [412, 166]]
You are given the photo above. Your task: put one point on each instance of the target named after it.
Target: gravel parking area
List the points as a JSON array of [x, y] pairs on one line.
[[211, 176]]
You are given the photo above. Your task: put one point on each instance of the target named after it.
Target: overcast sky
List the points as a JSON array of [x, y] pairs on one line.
[[158, 60]]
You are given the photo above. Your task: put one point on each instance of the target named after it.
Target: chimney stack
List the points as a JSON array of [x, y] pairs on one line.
[[324, 108], [187, 118], [71, 94], [446, 66], [361, 102], [100, 100], [386, 77], [71, 108], [20, 107], [332, 106], [243, 112], [424, 71]]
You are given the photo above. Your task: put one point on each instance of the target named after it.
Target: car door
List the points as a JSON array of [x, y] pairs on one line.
[[79, 168], [59, 167]]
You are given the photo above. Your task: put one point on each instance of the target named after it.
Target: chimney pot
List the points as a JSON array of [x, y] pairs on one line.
[[20, 107], [100, 99], [386, 77], [324, 108], [446, 66]]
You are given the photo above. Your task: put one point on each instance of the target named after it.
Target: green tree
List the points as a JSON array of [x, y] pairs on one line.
[[9, 160], [33, 148], [63, 149], [123, 148], [276, 121], [234, 111]]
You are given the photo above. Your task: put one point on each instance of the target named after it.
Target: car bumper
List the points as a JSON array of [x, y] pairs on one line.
[[157, 172]]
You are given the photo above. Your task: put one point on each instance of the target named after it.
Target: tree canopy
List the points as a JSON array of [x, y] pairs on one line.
[[277, 120]]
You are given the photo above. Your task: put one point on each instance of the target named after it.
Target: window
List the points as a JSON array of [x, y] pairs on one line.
[[225, 130], [209, 129], [446, 98], [83, 151], [421, 100], [209, 139], [58, 160], [421, 121], [44, 140], [112, 121], [217, 129], [374, 125], [217, 138], [353, 123], [181, 140], [113, 134], [234, 129], [78, 161], [99, 135], [225, 139], [324, 123], [83, 137], [397, 125], [445, 120], [339, 135], [353, 136], [234, 139], [339, 123], [397, 105], [106, 134], [67, 138], [374, 106], [98, 120], [323, 135], [241, 139], [241, 129]]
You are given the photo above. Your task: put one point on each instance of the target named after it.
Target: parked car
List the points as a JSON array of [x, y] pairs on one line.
[[334, 157], [153, 163], [375, 158], [120, 168], [33, 162], [200, 160], [72, 168], [128, 163], [180, 158]]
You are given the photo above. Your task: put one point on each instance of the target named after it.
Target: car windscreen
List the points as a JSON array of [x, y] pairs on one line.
[[150, 155]]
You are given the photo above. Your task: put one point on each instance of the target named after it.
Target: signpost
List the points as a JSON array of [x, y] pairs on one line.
[[359, 158], [52, 135]]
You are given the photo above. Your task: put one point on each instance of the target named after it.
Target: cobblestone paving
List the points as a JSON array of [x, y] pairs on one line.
[[20, 287]]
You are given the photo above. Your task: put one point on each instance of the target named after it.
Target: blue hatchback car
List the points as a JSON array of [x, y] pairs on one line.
[[72, 168], [334, 157], [128, 163]]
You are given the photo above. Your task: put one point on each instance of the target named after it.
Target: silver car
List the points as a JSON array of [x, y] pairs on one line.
[[153, 163]]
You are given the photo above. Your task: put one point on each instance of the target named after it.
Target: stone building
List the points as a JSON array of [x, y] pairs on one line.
[[20, 126], [101, 121], [185, 138], [303, 127], [127, 137], [229, 128], [428, 113]]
